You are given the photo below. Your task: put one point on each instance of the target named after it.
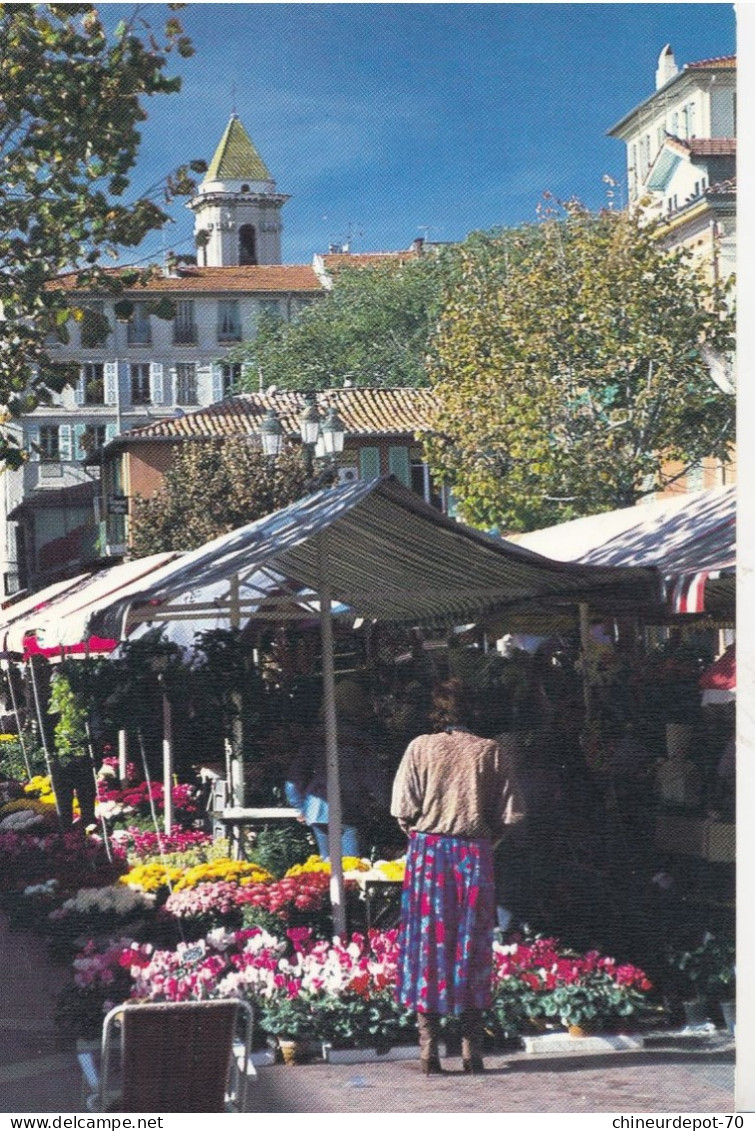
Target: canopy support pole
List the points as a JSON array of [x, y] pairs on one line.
[[14, 702], [42, 731], [167, 761], [585, 645], [235, 749], [122, 756], [337, 894]]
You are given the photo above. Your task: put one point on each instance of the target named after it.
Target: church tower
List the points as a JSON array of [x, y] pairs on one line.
[[237, 212]]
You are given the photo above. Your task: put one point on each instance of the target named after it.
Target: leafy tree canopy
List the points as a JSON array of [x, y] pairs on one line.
[[212, 487], [71, 104], [372, 329], [568, 369]]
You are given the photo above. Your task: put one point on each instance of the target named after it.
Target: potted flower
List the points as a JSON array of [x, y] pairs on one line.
[[288, 1016], [707, 976]]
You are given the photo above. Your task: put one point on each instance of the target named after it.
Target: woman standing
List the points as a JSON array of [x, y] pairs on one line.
[[454, 793]]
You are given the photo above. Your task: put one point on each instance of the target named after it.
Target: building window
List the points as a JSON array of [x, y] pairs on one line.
[[229, 321], [138, 332], [93, 439], [94, 326], [247, 246], [230, 374], [184, 326], [691, 120], [93, 374], [49, 443], [675, 124], [140, 383], [186, 383]]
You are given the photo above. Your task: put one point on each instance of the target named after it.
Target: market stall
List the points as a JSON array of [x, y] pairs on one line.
[[370, 550]]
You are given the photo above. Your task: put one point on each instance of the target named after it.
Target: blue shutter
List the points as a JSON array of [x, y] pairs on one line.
[[156, 383], [32, 443], [217, 383], [65, 443], [111, 382], [110, 431], [78, 392], [369, 463], [398, 464], [79, 431]]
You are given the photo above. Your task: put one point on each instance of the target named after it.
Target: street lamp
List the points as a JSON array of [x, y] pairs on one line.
[[271, 433], [320, 438]]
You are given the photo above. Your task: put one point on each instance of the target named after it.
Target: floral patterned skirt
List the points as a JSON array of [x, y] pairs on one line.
[[447, 917]]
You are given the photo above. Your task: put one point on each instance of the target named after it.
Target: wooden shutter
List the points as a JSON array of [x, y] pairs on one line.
[[369, 463], [78, 391], [65, 443], [32, 442], [79, 432], [156, 383], [217, 383], [398, 464], [111, 382]]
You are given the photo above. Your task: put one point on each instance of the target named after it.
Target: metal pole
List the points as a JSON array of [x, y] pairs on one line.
[[236, 753], [122, 755], [337, 895], [22, 744], [167, 761], [42, 731]]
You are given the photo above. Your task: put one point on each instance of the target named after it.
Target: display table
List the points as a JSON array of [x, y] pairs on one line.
[[235, 820], [381, 897], [703, 837]]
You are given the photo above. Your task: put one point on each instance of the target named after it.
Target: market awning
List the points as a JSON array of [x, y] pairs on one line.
[[690, 539], [46, 622], [391, 557]]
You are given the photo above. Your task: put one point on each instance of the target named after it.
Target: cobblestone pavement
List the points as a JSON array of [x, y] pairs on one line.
[[617, 1082], [39, 1074]]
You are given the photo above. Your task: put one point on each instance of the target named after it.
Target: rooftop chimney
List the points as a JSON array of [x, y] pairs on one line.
[[667, 67]]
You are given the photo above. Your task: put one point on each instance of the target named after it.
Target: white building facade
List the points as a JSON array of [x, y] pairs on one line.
[[157, 354]]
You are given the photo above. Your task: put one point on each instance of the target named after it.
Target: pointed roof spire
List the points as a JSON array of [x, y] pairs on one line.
[[235, 158]]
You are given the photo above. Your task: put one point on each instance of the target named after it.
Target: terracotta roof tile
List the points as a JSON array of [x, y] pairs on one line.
[[334, 260], [723, 188], [269, 279], [704, 146], [365, 412], [719, 62]]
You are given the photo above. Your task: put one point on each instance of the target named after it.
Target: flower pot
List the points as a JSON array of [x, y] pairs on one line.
[[293, 1051], [728, 1009], [695, 1012], [580, 1031]]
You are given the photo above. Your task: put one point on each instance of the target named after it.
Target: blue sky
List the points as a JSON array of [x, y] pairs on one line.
[[389, 121]]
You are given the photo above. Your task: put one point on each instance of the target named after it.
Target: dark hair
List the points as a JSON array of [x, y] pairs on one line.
[[453, 705], [486, 710]]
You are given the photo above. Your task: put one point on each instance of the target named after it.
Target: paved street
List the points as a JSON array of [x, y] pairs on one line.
[[39, 1074]]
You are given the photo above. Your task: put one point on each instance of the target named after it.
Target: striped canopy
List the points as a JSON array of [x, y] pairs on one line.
[[389, 556], [689, 538]]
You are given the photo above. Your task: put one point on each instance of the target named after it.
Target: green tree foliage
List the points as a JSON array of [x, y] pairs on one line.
[[71, 104], [372, 329], [214, 486], [568, 369]]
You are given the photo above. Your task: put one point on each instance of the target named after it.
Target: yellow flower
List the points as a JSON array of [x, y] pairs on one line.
[[41, 785], [33, 805], [223, 870], [391, 869], [317, 864], [151, 877]]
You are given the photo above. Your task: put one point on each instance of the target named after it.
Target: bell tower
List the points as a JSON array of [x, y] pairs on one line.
[[237, 212]]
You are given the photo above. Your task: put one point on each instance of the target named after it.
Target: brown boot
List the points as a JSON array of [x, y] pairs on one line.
[[471, 1041], [428, 1025]]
